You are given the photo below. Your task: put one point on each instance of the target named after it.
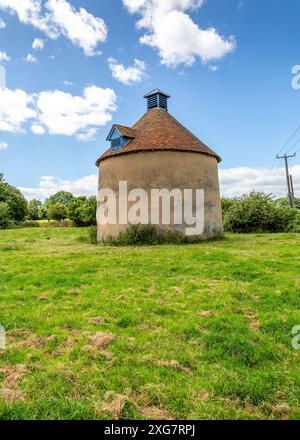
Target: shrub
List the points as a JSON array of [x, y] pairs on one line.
[[139, 234], [92, 235], [150, 235], [257, 212], [295, 224]]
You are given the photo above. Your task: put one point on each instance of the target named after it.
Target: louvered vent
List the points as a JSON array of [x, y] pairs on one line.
[[157, 99]]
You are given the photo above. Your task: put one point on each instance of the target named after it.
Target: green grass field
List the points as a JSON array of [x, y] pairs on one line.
[[191, 332]]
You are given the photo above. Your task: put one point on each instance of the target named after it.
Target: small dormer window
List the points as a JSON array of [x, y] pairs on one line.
[[116, 144], [119, 136]]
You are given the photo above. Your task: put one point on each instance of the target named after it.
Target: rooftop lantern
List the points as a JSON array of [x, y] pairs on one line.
[[157, 99]]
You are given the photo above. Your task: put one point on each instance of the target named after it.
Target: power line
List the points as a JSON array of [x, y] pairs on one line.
[[289, 140], [272, 172]]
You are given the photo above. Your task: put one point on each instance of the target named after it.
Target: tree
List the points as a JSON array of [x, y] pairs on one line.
[[89, 211], [15, 200], [58, 211], [5, 217], [62, 197], [34, 207], [82, 211]]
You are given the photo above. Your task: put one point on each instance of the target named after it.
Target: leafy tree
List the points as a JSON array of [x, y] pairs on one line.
[[89, 211], [5, 216], [75, 210], [82, 211], [34, 207], [62, 197], [42, 212], [15, 200], [58, 211]]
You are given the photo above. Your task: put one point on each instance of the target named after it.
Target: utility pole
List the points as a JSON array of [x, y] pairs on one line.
[[292, 190], [289, 180]]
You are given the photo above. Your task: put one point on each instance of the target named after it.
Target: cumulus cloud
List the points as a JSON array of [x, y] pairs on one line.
[[30, 58], [238, 181], [15, 110], [59, 18], [175, 35], [4, 57], [65, 114], [38, 44], [2, 24], [3, 145], [56, 112], [128, 75], [48, 185]]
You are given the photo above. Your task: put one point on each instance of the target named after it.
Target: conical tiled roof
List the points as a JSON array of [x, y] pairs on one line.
[[158, 130]]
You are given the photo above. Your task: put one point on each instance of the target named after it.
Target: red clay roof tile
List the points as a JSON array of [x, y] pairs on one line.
[[158, 130]]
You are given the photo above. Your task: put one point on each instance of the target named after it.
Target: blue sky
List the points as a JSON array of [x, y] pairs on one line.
[[233, 91]]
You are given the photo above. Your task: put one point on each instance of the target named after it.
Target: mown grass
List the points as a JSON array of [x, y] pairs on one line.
[[191, 332]]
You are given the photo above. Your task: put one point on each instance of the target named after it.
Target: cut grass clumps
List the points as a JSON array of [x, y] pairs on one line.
[[151, 235]]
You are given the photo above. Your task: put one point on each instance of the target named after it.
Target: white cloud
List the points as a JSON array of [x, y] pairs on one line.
[[128, 75], [65, 114], [38, 44], [175, 35], [30, 58], [4, 57], [59, 18], [3, 146], [68, 83], [56, 112], [2, 24], [48, 185], [239, 181], [82, 28], [15, 110], [37, 129]]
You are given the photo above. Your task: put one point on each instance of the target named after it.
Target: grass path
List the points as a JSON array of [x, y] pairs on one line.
[[199, 331]]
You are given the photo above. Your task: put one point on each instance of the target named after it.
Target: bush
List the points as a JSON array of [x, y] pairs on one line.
[[150, 235], [139, 234], [257, 212], [92, 235], [295, 224]]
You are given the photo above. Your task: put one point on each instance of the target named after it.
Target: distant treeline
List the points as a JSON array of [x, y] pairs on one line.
[[16, 211], [254, 212]]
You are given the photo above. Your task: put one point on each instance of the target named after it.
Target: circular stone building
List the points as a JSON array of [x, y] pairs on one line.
[[159, 153]]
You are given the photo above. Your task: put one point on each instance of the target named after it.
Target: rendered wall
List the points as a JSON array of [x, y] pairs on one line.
[[164, 169]]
